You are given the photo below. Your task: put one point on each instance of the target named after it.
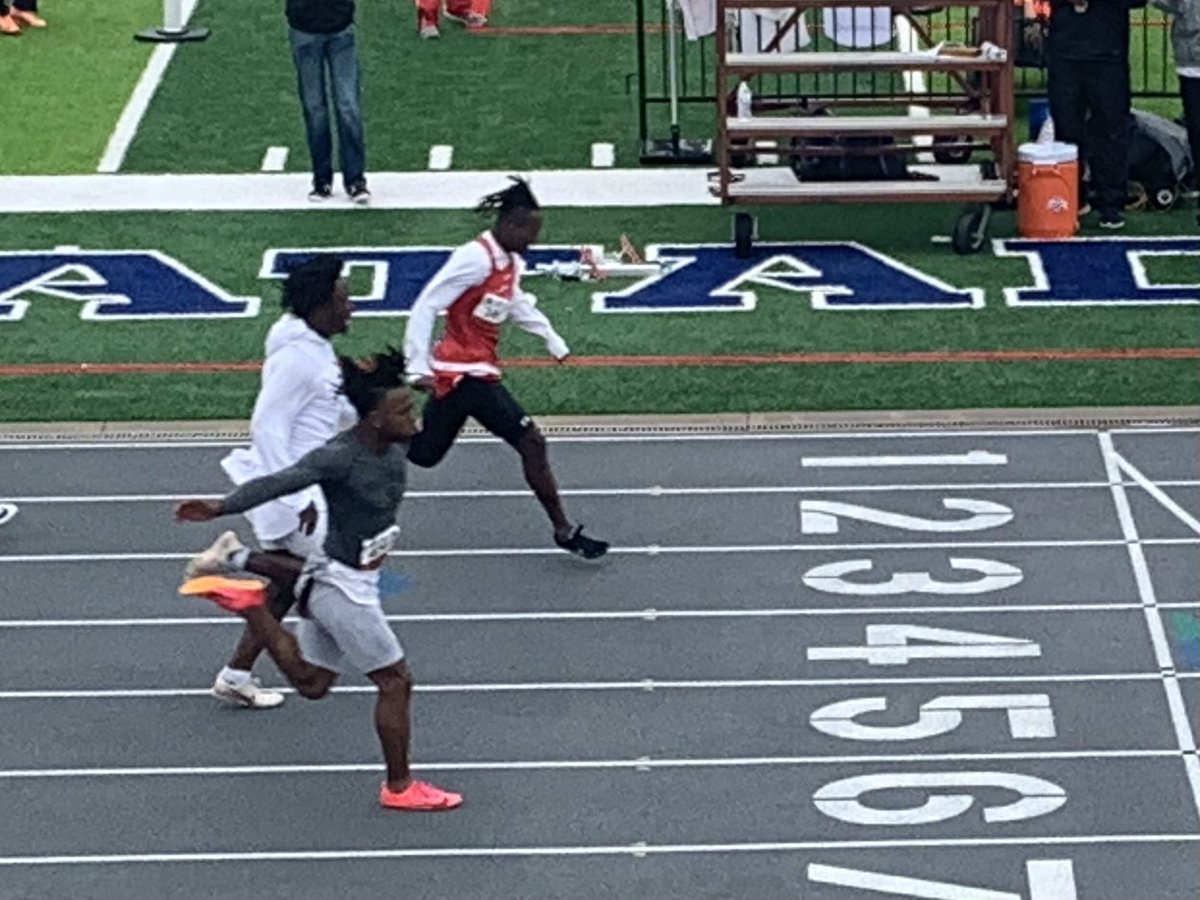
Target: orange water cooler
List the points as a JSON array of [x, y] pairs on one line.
[[1047, 190]]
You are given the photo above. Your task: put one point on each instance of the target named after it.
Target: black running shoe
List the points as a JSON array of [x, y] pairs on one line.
[[582, 545], [359, 194]]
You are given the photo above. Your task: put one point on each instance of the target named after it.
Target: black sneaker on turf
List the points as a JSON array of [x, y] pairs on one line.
[[320, 193], [1112, 221], [582, 545]]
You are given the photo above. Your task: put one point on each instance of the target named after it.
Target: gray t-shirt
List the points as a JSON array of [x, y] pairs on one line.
[[362, 491]]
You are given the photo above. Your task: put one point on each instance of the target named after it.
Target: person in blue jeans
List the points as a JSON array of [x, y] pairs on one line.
[[321, 33]]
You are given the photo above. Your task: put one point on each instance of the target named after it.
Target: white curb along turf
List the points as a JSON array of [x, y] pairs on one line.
[[587, 188]]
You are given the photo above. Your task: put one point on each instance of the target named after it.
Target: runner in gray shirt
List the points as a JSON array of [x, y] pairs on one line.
[[362, 474]]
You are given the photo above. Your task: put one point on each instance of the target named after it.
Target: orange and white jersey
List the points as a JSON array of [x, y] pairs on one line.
[[479, 289]]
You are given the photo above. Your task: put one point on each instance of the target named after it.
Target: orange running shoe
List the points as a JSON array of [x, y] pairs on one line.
[[25, 17], [420, 796], [233, 594], [9, 26]]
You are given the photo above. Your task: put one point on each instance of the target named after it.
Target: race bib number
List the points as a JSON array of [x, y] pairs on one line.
[[376, 549], [492, 309]]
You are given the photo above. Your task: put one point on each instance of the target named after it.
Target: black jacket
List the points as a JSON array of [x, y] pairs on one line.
[[1099, 34], [320, 16]]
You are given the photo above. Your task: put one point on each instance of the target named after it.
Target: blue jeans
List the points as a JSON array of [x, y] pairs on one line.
[[313, 54]]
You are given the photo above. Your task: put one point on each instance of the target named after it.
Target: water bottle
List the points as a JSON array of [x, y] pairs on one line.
[[744, 98], [1046, 132]]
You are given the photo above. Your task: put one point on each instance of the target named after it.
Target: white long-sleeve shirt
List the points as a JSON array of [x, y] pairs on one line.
[[299, 408], [460, 278]]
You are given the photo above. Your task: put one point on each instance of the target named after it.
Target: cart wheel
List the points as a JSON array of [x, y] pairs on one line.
[[1164, 198], [970, 231], [743, 235]]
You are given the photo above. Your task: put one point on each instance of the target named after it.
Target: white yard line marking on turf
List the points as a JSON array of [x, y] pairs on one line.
[[604, 156], [655, 491], [576, 439], [646, 684], [139, 101], [441, 157], [639, 849], [1158, 634], [646, 615], [1156, 492], [275, 159], [641, 763], [651, 550]]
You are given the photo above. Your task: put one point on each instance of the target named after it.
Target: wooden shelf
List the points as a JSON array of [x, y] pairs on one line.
[[855, 61], [835, 126], [896, 6], [779, 185]]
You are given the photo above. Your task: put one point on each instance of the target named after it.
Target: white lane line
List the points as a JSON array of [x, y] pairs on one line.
[[652, 491], [650, 550], [640, 763], [139, 101], [971, 458], [1158, 634], [632, 438], [1165, 428], [1156, 492], [639, 849], [275, 159], [646, 684], [644, 615], [441, 157], [604, 156]]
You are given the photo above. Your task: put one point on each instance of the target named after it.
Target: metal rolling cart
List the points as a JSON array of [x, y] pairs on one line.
[[974, 115]]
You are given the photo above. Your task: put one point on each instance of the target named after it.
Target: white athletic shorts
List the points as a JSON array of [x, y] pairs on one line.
[[341, 632]]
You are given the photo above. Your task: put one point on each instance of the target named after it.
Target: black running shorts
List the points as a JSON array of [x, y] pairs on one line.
[[488, 402]]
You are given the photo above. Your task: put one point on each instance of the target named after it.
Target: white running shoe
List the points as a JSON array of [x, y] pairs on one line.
[[429, 32], [7, 512], [248, 695], [215, 560]]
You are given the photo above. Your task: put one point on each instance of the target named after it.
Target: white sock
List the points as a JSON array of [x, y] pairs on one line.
[[234, 676], [239, 558]]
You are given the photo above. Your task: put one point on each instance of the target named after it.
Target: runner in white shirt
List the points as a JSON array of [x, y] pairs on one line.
[[299, 407], [479, 289]]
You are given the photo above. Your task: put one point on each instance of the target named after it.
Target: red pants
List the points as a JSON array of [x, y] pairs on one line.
[[428, 11]]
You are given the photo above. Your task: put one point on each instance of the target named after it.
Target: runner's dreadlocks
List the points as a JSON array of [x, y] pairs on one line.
[[310, 285], [517, 197], [365, 381]]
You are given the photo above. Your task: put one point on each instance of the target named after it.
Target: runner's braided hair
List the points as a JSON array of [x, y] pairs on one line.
[[365, 381], [517, 197], [310, 285]]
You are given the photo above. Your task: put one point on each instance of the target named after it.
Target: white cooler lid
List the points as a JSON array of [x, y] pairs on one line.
[[1048, 153]]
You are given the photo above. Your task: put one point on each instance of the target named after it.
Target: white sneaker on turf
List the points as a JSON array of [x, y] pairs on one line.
[[215, 560], [249, 694], [430, 32], [7, 512]]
